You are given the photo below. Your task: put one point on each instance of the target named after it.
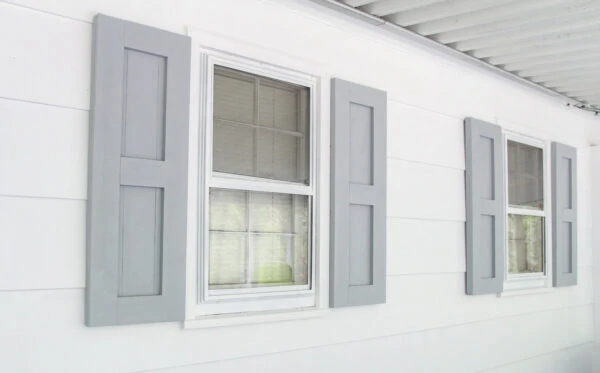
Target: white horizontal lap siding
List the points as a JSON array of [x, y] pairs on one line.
[[413, 249], [42, 244], [423, 136], [566, 322], [373, 355], [594, 163], [571, 359], [428, 323], [46, 59], [423, 191], [43, 150]]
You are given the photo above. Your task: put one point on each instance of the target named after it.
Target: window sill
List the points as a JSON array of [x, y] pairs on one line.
[[204, 322], [527, 291]]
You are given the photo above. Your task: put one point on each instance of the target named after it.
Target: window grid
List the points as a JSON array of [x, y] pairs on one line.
[[259, 184], [249, 234]]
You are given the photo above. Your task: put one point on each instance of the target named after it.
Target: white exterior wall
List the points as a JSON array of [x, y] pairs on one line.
[[595, 203], [428, 324]]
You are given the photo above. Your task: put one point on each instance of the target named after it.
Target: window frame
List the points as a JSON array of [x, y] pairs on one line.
[[301, 296], [543, 279]]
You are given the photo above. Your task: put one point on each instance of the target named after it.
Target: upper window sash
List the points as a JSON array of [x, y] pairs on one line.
[[537, 143], [260, 127], [210, 59]]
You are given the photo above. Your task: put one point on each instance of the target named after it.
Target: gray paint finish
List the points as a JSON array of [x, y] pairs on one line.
[[564, 215], [358, 195], [140, 246], [143, 127], [137, 187], [361, 247], [485, 227]]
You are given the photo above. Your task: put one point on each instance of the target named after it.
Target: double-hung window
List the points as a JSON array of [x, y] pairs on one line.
[[527, 218], [258, 233]]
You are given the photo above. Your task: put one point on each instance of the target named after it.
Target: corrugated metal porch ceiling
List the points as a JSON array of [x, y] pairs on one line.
[[554, 43]]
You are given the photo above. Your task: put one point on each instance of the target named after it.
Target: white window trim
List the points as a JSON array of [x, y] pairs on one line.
[[207, 50], [529, 281]]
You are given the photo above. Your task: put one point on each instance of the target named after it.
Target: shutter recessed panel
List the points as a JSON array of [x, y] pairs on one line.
[[485, 226], [358, 195], [564, 215], [137, 192]]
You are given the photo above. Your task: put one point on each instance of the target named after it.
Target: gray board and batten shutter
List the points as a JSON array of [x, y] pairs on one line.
[[485, 206], [137, 179], [358, 195], [564, 215]]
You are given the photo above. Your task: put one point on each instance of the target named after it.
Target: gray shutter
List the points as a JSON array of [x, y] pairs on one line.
[[137, 185], [485, 189], [358, 195], [564, 215]]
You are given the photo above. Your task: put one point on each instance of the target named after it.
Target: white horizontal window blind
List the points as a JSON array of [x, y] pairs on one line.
[[260, 127]]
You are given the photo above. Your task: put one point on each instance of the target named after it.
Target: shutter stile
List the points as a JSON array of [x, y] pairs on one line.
[[358, 195], [137, 186], [485, 194], [564, 215]]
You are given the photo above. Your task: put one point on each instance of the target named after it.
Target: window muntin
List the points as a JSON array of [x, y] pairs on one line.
[[259, 193], [525, 244], [525, 176], [526, 215], [257, 239], [261, 127]]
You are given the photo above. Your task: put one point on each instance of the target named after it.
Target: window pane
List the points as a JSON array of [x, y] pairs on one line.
[[525, 176], [260, 127], [234, 96], [525, 244], [277, 156], [271, 212], [257, 239], [227, 265], [272, 259], [278, 107], [228, 210], [233, 149]]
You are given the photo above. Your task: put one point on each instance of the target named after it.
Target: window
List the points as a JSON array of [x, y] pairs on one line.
[[258, 250], [526, 213]]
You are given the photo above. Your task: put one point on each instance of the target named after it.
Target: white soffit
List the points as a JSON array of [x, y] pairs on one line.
[[552, 43]]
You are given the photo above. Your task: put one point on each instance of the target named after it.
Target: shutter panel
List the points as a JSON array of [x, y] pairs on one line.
[[564, 215], [137, 187], [358, 195], [485, 228]]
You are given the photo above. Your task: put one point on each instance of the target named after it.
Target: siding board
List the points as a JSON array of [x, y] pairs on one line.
[[327, 340], [423, 136], [44, 151], [58, 73], [422, 191], [412, 249], [42, 244]]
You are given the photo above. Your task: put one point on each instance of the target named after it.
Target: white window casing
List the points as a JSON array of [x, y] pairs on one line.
[[199, 300]]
